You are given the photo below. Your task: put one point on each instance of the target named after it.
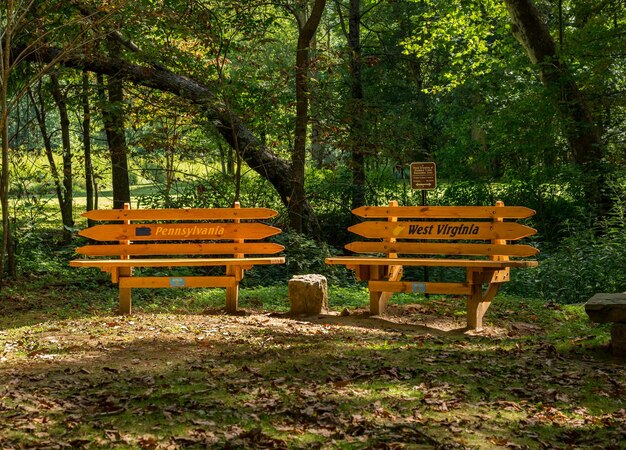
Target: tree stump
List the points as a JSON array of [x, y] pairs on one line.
[[610, 308], [618, 339], [308, 294]]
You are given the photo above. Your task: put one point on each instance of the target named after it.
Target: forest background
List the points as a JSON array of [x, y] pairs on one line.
[[315, 107]]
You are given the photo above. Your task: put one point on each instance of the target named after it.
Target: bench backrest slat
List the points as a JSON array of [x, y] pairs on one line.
[[444, 212], [174, 232], [443, 230], [179, 231], [181, 214], [423, 248], [212, 248], [424, 230]]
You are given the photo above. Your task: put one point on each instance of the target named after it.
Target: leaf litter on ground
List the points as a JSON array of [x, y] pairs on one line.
[[336, 381]]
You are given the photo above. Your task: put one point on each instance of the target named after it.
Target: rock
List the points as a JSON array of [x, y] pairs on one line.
[[308, 294], [606, 308]]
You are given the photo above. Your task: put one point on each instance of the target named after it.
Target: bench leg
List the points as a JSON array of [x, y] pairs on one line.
[[232, 299], [478, 304], [125, 293], [232, 293], [476, 308], [375, 297], [377, 302]]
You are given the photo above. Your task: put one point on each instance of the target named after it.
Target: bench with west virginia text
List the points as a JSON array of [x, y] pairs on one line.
[[470, 237], [169, 238]]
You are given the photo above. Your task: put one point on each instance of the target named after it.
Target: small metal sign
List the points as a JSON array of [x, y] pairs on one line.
[[177, 282], [423, 175]]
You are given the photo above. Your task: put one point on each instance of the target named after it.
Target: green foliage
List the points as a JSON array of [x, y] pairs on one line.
[[214, 190], [588, 261], [556, 204], [469, 34], [303, 255], [442, 80]]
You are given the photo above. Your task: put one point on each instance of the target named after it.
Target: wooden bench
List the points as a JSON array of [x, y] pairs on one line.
[[142, 234], [408, 230]]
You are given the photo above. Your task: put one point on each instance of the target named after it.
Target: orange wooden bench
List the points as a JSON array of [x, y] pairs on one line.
[[405, 235], [159, 238]]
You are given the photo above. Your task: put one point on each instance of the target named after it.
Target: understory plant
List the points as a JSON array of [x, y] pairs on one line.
[[588, 261]]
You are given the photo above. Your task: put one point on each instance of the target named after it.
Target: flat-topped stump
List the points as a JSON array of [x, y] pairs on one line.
[[610, 308], [308, 294], [607, 308]]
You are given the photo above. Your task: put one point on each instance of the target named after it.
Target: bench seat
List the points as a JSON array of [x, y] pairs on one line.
[[175, 262], [431, 262]]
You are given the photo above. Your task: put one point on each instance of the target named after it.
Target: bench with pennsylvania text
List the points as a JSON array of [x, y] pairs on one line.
[[169, 238], [409, 233]]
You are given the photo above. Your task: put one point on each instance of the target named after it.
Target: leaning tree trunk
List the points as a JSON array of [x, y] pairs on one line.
[[579, 127], [40, 113], [258, 157]]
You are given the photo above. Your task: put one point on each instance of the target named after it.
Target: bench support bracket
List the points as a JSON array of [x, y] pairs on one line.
[[379, 299], [478, 302]]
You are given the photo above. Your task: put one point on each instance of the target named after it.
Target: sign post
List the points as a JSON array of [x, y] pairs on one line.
[[424, 177]]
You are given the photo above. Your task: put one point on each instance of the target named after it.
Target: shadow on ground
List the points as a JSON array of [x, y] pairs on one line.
[[197, 381]]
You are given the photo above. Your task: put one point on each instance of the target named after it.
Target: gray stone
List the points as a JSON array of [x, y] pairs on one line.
[[308, 294], [618, 339], [606, 308]]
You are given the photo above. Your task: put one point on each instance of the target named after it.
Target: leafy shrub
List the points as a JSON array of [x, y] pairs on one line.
[[468, 193], [303, 255], [558, 206], [587, 262], [216, 190]]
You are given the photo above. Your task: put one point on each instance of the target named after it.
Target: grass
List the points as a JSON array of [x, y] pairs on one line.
[[181, 374]]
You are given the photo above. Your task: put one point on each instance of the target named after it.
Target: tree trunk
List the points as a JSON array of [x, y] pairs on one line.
[[356, 107], [579, 127], [230, 162], [258, 157], [116, 136], [89, 179], [40, 114], [67, 201], [113, 119], [298, 157], [5, 67], [4, 177], [318, 150]]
